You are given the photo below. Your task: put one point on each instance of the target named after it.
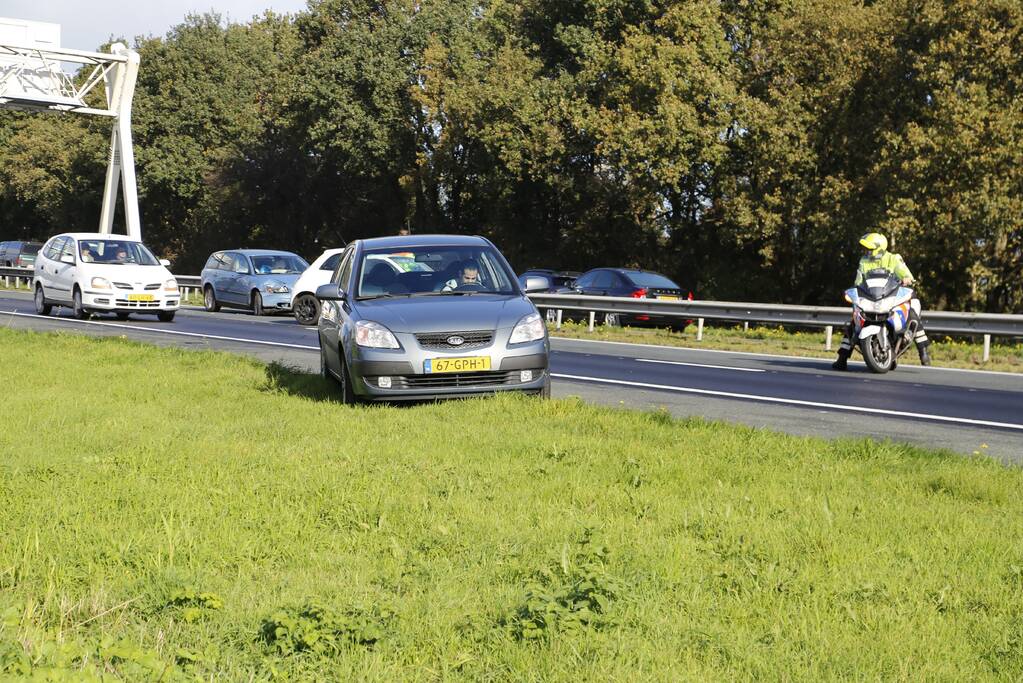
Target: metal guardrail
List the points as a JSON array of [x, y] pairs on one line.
[[828, 317], [19, 277]]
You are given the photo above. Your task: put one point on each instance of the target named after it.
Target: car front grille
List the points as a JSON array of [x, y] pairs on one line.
[[124, 303], [155, 285], [127, 285], [454, 380], [471, 340]]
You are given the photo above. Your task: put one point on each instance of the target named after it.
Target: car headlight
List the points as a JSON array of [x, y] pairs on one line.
[[101, 283], [528, 329], [276, 288], [171, 285], [374, 336]]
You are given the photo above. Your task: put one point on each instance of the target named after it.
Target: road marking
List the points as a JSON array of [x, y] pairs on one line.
[[792, 401], [661, 347], [697, 365], [159, 331]]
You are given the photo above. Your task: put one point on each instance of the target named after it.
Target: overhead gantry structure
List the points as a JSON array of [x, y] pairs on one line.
[[32, 78]]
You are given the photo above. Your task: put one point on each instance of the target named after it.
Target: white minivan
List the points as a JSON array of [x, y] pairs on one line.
[[94, 272]]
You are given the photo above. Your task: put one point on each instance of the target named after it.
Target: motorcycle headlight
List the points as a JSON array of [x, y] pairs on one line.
[[276, 288], [374, 336], [530, 328], [171, 285], [101, 283]]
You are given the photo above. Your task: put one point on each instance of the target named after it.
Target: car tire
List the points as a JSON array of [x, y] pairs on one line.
[[122, 315], [306, 309], [545, 393], [257, 303], [613, 319], [344, 383], [42, 308], [78, 307], [209, 300], [165, 316]]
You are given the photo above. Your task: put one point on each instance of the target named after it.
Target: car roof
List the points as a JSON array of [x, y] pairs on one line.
[[261, 252], [97, 236], [410, 241]]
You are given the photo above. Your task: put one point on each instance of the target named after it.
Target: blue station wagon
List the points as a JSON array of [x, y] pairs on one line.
[[255, 279]]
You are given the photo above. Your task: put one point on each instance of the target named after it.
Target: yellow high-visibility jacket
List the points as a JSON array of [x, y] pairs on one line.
[[888, 261]]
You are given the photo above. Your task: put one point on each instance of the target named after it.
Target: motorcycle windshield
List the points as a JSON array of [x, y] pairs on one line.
[[878, 284]]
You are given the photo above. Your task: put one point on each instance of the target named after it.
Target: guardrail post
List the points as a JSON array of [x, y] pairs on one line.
[[745, 326], [592, 316], [827, 337], [699, 329], [558, 326], [987, 347], [7, 281]]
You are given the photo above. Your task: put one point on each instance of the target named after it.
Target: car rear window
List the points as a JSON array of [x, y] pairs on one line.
[[655, 280], [30, 248]]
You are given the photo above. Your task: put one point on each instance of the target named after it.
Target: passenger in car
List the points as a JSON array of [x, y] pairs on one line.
[[87, 256]]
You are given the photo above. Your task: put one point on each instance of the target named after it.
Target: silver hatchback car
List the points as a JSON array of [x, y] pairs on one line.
[[429, 316]]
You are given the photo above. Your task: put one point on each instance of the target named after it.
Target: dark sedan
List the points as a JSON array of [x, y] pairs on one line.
[[639, 284]]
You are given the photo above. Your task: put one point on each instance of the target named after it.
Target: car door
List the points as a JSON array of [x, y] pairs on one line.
[[599, 285], [240, 279], [62, 278], [334, 313]]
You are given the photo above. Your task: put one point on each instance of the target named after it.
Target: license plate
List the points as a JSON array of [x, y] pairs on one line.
[[669, 298], [471, 364], [140, 297]]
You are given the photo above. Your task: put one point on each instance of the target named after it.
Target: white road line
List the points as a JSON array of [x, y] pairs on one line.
[[697, 365], [662, 347], [161, 331], [792, 401]]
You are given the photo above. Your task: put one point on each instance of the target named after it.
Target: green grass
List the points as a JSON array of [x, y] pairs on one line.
[[1006, 356], [171, 514]]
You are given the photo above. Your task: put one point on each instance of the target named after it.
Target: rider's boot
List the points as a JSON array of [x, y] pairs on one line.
[[843, 360], [925, 357]]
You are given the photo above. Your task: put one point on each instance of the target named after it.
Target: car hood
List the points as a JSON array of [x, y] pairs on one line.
[[132, 274], [284, 278], [446, 313]]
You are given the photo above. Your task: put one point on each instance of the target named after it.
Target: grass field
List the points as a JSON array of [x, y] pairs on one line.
[[177, 515], [1006, 356]]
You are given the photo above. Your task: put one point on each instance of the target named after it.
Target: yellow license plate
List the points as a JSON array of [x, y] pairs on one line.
[[669, 298], [140, 297], [472, 364]]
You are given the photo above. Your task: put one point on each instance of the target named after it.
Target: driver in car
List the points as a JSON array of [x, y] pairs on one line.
[[468, 277], [878, 256]]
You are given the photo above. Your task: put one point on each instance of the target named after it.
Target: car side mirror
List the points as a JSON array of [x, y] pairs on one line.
[[68, 259], [537, 283], [165, 263], [330, 292]]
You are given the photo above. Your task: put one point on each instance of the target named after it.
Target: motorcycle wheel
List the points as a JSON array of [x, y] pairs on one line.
[[879, 358]]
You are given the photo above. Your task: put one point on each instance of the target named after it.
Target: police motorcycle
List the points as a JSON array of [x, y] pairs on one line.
[[883, 328]]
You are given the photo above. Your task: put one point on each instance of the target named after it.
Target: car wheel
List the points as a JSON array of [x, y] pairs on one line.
[[122, 315], [165, 316], [257, 303], [546, 391], [77, 307], [552, 315], [612, 319], [306, 309], [42, 308], [209, 300]]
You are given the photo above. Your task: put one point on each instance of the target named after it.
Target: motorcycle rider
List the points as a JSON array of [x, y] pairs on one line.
[[878, 256]]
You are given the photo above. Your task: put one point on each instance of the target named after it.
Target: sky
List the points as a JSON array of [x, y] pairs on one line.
[[86, 24]]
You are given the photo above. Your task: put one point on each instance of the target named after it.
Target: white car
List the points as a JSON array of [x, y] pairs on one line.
[[304, 304], [93, 272]]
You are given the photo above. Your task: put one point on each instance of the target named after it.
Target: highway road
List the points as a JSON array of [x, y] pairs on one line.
[[964, 411]]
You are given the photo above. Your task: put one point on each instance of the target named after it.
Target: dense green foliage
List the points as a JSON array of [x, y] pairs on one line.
[[740, 145], [226, 520]]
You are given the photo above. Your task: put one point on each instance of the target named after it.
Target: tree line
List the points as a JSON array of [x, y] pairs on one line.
[[739, 146]]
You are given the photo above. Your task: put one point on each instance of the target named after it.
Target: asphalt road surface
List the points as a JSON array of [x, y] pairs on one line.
[[964, 411]]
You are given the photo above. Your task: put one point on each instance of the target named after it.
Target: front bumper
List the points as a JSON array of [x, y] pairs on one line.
[[276, 301], [123, 300], [521, 368]]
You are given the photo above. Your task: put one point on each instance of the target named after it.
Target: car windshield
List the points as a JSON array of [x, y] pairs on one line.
[[278, 264], [655, 280], [433, 270], [116, 253]]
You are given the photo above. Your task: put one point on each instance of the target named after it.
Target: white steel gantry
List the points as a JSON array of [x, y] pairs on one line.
[[32, 78]]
